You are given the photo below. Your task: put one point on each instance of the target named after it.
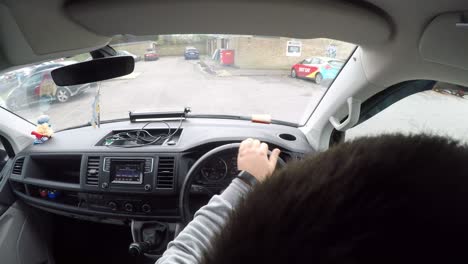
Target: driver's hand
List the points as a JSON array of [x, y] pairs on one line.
[[253, 159]]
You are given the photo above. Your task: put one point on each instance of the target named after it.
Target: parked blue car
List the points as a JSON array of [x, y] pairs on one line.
[[191, 53]]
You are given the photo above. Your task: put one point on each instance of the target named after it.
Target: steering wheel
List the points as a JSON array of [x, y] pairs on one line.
[[184, 199]]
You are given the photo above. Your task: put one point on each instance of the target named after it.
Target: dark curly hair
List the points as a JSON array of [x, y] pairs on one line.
[[388, 199]]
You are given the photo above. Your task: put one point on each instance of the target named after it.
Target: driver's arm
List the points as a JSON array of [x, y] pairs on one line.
[[192, 242]]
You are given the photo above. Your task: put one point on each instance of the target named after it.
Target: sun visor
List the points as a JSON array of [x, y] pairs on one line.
[[299, 19], [32, 31], [445, 40]]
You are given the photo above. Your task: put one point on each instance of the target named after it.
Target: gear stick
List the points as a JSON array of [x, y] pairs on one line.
[[138, 248], [148, 237]]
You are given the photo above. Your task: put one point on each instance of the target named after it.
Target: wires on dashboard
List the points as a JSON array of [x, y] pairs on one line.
[[140, 137]]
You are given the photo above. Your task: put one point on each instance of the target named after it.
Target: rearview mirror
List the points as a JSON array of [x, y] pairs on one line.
[[93, 70]]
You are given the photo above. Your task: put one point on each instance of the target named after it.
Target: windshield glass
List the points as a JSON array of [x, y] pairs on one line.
[[212, 74]]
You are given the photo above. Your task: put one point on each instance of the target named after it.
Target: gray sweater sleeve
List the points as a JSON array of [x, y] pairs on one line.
[[195, 239]]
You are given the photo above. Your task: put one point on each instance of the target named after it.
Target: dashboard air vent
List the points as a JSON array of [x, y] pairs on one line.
[[18, 167], [166, 169], [92, 171]]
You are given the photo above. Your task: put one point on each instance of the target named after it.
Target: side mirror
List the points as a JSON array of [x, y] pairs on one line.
[[93, 70]]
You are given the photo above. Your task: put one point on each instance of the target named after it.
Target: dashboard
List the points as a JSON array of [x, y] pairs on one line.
[[78, 174]]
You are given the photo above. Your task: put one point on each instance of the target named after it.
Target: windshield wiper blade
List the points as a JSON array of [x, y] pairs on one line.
[[245, 118], [232, 117], [134, 117]]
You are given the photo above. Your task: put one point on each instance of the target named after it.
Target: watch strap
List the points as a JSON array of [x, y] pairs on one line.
[[248, 178]]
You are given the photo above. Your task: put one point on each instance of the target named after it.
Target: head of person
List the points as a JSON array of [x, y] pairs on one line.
[[388, 199]]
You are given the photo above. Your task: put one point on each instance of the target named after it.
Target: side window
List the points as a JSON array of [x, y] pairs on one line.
[[315, 61], [441, 111], [33, 79], [336, 64], [306, 61]]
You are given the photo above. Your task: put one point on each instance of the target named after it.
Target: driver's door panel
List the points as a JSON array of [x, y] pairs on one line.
[[23, 236], [24, 231], [6, 196]]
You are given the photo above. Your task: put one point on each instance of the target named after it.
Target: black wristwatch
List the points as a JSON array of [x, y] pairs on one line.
[[247, 178]]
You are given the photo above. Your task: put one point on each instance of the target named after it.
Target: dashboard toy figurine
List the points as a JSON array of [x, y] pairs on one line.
[[43, 130]]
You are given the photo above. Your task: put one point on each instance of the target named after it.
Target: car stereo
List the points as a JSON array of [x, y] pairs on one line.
[[127, 170]]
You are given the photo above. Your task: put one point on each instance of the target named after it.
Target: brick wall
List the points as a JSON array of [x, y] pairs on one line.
[[178, 50], [270, 52], [139, 48]]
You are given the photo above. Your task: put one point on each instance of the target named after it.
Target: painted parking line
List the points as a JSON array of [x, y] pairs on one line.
[[223, 73]]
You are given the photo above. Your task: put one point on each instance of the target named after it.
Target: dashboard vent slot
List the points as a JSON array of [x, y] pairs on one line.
[[18, 167], [166, 169], [92, 171]]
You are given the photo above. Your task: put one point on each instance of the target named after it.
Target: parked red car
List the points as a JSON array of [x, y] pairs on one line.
[[317, 68], [151, 55]]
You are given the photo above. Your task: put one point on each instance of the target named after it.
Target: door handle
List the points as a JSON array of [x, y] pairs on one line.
[[354, 110]]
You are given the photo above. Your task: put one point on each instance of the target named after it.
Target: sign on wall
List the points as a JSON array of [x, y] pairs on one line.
[[293, 48]]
